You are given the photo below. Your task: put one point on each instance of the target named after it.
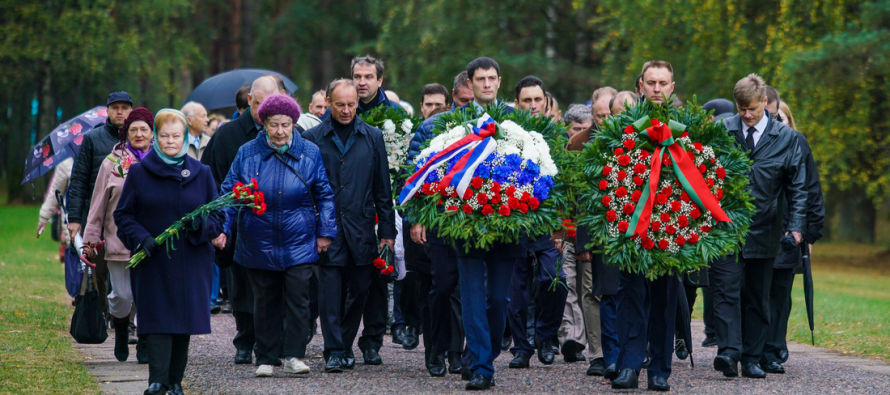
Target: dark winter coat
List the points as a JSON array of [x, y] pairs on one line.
[[605, 277], [379, 100], [172, 287], [778, 172], [815, 208], [97, 144], [285, 235], [360, 181]]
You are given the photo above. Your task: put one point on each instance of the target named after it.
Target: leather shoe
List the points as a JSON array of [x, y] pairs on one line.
[[506, 342], [437, 366], [520, 361], [597, 367], [371, 357], [465, 373], [680, 349], [545, 352], [398, 335], [725, 364], [348, 361], [479, 383], [751, 370], [709, 341], [243, 357], [627, 379], [772, 367], [571, 350], [783, 355], [334, 364], [658, 384], [611, 372], [410, 341], [176, 390], [155, 389], [454, 363]]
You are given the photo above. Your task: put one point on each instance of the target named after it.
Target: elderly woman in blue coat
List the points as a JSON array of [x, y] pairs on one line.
[[279, 247], [171, 288]]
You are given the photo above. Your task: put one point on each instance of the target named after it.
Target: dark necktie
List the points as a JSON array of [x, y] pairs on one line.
[[750, 139]]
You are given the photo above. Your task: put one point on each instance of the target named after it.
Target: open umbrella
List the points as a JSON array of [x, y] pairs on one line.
[[62, 143], [808, 287], [219, 91]]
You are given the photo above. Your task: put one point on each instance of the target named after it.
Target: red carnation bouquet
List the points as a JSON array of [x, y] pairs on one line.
[[382, 262], [241, 196]]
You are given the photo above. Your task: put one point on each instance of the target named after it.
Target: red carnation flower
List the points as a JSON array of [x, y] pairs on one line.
[[721, 173], [663, 244], [513, 202], [611, 216], [683, 221], [702, 169], [452, 208], [262, 209], [604, 185], [482, 198], [666, 161], [621, 192], [685, 196], [680, 240], [693, 238], [621, 175], [533, 203], [636, 196], [496, 187], [523, 207], [670, 229], [705, 229], [571, 232], [496, 199], [255, 184], [676, 206], [661, 199], [376, 219], [477, 182], [698, 147], [619, 152], [710, 182], [639, 168], [685, 134], [525, 197], [644, 154], [487, 209], [468, 194], [606, 200], [504, 210], [629, 129], [379, 263], [629, 144], [655, 226], [719, 194], [444, 193], [622, 226], [426, 189], [607, 170], [695, 213], [648, 243], [467, 209], [628, 208], [690, 155], [665, 217], [387, 270], [637, 180], [623, 160], [667, 190], [511, 191]]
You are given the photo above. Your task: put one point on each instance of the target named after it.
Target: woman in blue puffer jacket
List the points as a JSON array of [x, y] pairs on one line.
[[279, 246]]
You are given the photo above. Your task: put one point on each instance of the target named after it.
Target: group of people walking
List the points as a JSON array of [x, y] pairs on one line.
[[308, 255]]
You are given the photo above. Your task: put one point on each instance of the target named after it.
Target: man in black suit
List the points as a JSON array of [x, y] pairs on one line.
[[742, 283]]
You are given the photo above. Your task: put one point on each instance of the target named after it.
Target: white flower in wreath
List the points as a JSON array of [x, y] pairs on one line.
[[389, 127], [407, 125]]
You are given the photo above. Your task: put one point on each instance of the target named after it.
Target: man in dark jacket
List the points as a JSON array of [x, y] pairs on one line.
[[354, 158], [778, 173], [219, 155], [97, 144], [367, 73]]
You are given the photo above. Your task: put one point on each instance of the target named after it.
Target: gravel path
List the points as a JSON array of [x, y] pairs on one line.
[[810, 371]]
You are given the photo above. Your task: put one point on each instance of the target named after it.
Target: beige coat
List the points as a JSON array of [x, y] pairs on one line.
[[61, 175], [205, 139], [100, 221]]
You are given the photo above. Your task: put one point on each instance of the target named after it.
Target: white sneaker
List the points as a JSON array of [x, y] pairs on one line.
[[295, 365], [264, 371]]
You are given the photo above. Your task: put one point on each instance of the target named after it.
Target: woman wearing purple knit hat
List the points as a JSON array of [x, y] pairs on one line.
[[279, 247]]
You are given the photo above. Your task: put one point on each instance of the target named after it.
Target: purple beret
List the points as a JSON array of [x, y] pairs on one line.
[[279, 104], [138, 114]]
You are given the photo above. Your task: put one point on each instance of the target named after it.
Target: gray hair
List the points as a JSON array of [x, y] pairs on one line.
[[340, 81], [461, 81], [264, 84], [606, 90], [579, 113], [191, 108]]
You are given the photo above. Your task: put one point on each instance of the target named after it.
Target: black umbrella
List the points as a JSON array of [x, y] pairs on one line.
[[219, 91], [808, 287]]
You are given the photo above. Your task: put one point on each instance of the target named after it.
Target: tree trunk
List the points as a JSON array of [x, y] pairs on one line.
[[856, 218]]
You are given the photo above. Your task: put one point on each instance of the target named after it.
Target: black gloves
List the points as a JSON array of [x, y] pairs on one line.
[[150, 246]]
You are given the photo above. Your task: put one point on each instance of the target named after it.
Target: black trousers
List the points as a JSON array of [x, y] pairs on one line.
[[374, 314], [708, 301], [741, 306], [277, 292], [780, 311], [339, 326], [636, 328], [167, 357], [445, 328], [241, 297], [412, 305]]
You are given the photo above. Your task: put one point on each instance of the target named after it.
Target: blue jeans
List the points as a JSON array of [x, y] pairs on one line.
[[214, 286]]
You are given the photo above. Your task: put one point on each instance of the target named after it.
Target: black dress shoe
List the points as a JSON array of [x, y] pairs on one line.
[[410, 341], [155, 389], [725, 364], [141, 351], [658, 384], [772, 367], [751, 370], [520, 361], [506, 342], [627, 379], [437, 366], [371, 357], [348, 361], [215, 309], [398, 335], [131, 335], [545, 352], [454, 363], [244, 357], [570, 351], [465, 373], [597, 367], [680, 349], [334, 364], [176, 390], [611, 372], [479, 383], [709, 341], [783, 355]]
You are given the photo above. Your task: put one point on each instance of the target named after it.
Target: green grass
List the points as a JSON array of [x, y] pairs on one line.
[[36, 355]]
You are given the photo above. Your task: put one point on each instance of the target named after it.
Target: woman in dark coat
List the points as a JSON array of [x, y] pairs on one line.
[[278, 247], [171, 287]]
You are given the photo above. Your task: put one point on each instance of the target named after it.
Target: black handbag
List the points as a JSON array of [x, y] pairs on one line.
[[88, 324]]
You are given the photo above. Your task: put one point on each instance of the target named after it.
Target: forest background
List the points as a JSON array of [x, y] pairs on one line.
[[830, 59]]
